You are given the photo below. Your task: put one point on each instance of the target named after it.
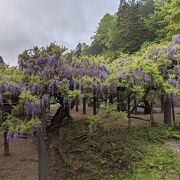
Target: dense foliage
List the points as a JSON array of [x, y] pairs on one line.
[[45, 72], [135, 23], [50, 72]]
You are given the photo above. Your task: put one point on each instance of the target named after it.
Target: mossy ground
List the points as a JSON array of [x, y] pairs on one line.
[[139, 153]]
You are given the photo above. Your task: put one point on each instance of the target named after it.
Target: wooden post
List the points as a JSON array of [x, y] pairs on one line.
[[162, 103], [6, 108], [151, 116], [6, 145], [77, 104], [98, 102], [118, 99], [129, 118], [94, 102], [84, 105], [106, 100], [111, 99], [42, 148], [167, 110], [135, 104], [173, 113]]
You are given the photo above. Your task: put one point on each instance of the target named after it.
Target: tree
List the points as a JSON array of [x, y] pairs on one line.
[[78, 50], [1, 60], [171, 18], [165, 20], [102, 33], [131, 28], [146, 7], [82, 49], [96, 48], [126, 30], [102, 37], [85, 49]]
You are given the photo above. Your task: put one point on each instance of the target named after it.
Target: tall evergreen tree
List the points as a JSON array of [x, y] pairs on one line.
[[165, 20], [171, 10], [132, 31], [146, 7], [102, 37], [78, 50], [81, 49], [96, 48], [1, 60]]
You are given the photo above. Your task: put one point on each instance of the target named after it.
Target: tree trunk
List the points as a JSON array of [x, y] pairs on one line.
[[167, 110], [6, 108], [84, 105], [61, 113], [118, 100], [162, 103], [94, 103], [151, 116], [106, 100], [98, 102], [111, 99], [6, 145], [129, 100], [135, 105], [173, 112], [77, 104], [147, 107]]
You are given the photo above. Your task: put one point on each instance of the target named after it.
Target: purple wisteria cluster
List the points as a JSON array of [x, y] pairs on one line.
[[45, 101], [155, 52], [139, 74], [15, 90], [172, 52], [172, 81], [91, 69], [53, 87], [32, 109], [15, 136], [123, 76], [174, 47], [103, 72], [37, 89], [176, 39], [42, 66], [54, 69]]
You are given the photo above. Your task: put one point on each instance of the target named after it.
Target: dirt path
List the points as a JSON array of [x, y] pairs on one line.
[[22, 164]]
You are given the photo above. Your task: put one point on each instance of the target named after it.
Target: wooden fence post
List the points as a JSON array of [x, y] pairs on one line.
[[94, 102], [84, 105], [42, 148], [167, 110], [6, 144]]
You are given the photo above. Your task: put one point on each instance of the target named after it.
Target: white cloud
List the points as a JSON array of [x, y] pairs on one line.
[[25, 23]]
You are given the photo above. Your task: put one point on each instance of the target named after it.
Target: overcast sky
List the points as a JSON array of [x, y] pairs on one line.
[[26, 23]]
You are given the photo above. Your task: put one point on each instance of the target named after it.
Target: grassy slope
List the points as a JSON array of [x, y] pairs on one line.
[[137, 154]]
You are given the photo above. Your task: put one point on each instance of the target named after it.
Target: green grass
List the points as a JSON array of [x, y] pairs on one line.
[[174, 131], [127, 154], [158, 161]]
